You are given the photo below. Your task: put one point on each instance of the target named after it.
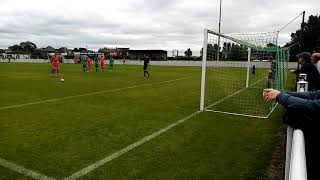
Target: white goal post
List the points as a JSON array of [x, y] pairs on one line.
[[203, 69]]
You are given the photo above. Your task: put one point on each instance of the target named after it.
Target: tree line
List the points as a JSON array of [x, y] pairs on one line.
[[306, 38]]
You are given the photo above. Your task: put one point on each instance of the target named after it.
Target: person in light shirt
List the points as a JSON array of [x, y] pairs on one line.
[[315, 59]]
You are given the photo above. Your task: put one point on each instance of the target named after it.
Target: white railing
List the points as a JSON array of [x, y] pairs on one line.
[[296, 168]]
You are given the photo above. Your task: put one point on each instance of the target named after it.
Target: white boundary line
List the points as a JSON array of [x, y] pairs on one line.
[[21, 74], [238, 114], [101, 162], [23, 77], [23, 171], [272, 110], [88, 94]]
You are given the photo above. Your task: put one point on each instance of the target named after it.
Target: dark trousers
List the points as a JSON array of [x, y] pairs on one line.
[[308, 122]]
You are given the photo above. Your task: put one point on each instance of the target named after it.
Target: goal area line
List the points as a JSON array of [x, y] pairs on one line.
[[244, 115], [207, 108]]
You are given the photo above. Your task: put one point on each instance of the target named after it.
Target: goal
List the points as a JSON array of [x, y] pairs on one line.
[[235, 70]]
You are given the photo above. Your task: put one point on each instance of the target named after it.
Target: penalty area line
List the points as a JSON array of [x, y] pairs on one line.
[[27, 172], [93, 93]]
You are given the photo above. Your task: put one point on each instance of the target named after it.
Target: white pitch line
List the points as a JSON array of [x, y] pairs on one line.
[[238, 114], [24, 171], [107, 159], [87, 94], [22, 77]]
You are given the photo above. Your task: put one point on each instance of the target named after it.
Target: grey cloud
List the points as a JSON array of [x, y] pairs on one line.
[[153, 5], [165, 24]]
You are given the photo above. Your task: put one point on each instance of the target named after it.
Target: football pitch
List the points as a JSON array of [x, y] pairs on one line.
[[120, 125]]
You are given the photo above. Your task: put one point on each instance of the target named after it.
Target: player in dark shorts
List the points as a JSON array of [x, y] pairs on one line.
[[146, 62]]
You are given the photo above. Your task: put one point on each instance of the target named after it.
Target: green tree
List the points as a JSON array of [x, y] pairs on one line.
[[237, 52], [83, 49], [310, 37], [28, 46], [15, 47]]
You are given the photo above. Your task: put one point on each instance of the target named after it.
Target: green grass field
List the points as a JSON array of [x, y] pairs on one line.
[[57, 129]]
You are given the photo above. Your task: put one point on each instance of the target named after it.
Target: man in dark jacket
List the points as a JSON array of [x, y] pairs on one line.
[[302, 112], [313, 76], [146, 62]]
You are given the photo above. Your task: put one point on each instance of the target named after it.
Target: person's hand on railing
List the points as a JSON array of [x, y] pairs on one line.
[[270, 94]]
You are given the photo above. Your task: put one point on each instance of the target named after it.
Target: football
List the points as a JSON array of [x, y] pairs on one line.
[[61, 80]]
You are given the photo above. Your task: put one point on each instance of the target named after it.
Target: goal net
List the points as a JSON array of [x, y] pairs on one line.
[[235, 70]]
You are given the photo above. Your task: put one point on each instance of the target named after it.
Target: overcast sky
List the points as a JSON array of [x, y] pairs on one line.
[[142, 24]]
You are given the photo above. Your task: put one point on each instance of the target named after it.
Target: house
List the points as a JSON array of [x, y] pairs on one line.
[[45, 51], [18, 54], [117, 53], [2, 53], [64, 51], [156, 55]]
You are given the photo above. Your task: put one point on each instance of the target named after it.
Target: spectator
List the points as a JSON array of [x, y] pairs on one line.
[[313, 76], [302, 112], [253, 69], [315, 60]]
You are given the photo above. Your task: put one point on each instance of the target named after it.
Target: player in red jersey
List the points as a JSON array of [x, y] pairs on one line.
[[102, 63], [89, 63], [55, 62]]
